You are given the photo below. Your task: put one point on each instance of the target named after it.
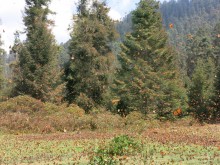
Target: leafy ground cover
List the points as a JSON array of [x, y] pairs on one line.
[[167, 145]]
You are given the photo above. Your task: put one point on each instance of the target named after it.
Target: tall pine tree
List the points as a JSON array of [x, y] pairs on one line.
[[216, 97], [201, 89], [148, 78], [2, 52], [91, 58], [38, 55], [198, 46]]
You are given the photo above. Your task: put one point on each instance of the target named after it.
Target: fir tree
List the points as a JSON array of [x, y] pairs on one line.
[[201, 90], [91, 58], [2, 52], [148, 78], [216, 43], [198, 46], [216, 97], [38, 68]]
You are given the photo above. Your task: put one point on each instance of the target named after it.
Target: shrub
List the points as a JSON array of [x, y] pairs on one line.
[[51, 108], [119, 146], [60, 121], [123, 145], [75, 110], [24, 104], [133, 117], [84, 102], [15, 122], [107, 120], [135, 122]]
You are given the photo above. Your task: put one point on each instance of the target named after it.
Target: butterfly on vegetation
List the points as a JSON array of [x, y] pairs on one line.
[[177, 112]]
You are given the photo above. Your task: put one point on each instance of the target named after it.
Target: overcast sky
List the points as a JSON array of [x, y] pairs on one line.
[[11, 16]]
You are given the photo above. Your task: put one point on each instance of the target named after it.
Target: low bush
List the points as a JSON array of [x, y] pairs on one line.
[[119, 146], [133, 117], [23, 104], [135, 121], [107, 120], [75, 110], [51, 108], [15, 122]]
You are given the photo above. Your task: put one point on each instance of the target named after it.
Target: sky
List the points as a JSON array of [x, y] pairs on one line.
[[11, 14]]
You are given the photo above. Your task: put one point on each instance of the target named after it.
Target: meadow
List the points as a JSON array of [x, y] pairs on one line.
[[33, 132], [170, 145]]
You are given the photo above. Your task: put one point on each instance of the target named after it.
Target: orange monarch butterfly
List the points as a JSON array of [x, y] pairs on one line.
[[171, 26], [177, 112]]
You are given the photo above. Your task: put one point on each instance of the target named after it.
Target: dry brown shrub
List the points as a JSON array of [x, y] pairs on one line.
[[75, 110], [107, 120], [15, 122], [50, 108], [133, 117], [23, 104]]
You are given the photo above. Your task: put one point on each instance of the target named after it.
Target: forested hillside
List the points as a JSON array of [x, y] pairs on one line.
[[187, 16]]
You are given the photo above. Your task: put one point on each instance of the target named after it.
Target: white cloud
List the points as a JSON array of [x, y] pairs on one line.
[[11, 20], [114, 14], [63, 18]]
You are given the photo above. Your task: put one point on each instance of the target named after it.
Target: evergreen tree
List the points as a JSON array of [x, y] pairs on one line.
[[216, 43], [91, 58], [148, 78], [216, 97], [37, 68], [2, 52], [201, 90], [198, 46]]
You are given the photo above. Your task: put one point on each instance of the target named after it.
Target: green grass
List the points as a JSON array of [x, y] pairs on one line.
[[14, 150]]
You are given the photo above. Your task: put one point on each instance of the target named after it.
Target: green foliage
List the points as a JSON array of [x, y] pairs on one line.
[[198, 47], [75, 110], [22, 104], [215, 116], [37, 72], [201, 90], [1, 68], [90, 47], [123, 145], [85, 102], [119, 146], [216, 97], [64, 56], [187, 17], [148, 78]]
